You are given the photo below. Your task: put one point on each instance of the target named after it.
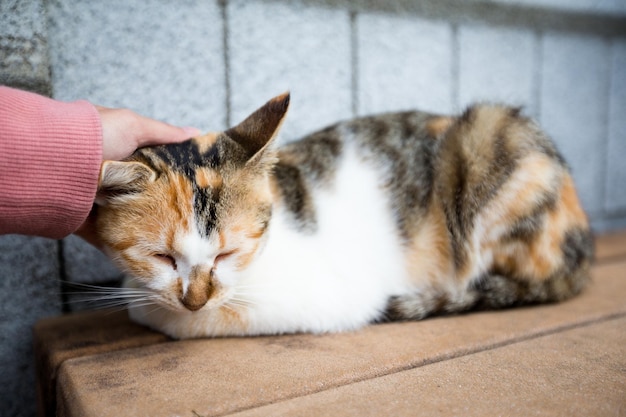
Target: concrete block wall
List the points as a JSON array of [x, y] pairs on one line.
[[30, 269], [23, 47], [208, 64]]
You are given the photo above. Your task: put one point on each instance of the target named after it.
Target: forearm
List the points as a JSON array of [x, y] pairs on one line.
[[50, 156]]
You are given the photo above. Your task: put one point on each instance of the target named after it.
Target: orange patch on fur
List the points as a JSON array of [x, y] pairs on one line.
[[177, 288], [141, 267], [518, 198], [244, 260], [233, 317], [255, 234], [222, 239], [180, 196], [438, 126], [207, 178], [542, 256], [571, 203], [535, 261], [149, 223], [123, 243], [429, 255], [205, 142], [566, 215]]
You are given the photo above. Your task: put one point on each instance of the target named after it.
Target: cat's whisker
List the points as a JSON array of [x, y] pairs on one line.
[[109, 296], [251, 296], [156, 307], [129, 301], [229, 307], [115, 298], [241, 303], [115, 295], [144, 304], [256, 286], [117, 306], [239, 298]]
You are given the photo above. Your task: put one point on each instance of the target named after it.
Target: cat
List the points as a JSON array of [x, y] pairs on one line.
[[389, 217]]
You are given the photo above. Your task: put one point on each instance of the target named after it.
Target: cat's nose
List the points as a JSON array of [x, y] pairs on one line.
[[199, 290], [194, 303]]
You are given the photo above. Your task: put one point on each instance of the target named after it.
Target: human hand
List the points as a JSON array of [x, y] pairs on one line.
[[123, 132]]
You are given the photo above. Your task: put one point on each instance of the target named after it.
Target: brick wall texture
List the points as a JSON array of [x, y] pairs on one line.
[[209, 63]]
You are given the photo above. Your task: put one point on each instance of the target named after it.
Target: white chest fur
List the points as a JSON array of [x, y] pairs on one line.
[[340, 276]]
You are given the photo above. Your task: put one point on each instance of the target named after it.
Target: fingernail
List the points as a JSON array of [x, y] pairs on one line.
[[192, 131]]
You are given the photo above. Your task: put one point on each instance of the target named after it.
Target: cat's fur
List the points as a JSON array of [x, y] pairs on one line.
[[397, 216]]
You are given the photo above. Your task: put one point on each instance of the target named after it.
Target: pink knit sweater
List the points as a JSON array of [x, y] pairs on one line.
[[50, 156]]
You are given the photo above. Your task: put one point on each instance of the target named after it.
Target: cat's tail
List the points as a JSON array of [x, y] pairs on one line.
[[498, 290], [493, 291]]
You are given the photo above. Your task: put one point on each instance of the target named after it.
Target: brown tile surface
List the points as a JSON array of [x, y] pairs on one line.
[[60, 338], [221, 376], [580, 372], [610, 246]]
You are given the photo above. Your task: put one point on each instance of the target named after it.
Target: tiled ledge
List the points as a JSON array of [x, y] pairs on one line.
[[552, 359]]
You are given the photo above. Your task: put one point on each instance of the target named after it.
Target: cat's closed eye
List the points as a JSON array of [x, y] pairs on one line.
[[224, 255], [168, 259]]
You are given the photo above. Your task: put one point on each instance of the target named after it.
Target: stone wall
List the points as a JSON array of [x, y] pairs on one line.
[[209, 63]]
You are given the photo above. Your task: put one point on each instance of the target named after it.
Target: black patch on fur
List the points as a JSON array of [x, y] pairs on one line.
[[499, 291], [185, 157], [428, 301], [528, 227], [547, 147], [205, 202], [295, 195], [316, 155], [464, 189], [578, 248], [400, 148], [412, 184]]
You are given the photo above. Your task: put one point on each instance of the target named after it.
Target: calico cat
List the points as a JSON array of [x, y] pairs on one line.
[[390, 217]]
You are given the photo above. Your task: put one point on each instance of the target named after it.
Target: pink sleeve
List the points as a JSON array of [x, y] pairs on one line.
[[50, 156]]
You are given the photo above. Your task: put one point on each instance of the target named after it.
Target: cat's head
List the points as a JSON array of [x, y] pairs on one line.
[[184, 219]]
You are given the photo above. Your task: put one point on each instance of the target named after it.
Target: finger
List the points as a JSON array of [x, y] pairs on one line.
[[154, 132]]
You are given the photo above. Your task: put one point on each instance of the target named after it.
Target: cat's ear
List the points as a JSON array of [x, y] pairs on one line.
[[119, 178], [258, 130]]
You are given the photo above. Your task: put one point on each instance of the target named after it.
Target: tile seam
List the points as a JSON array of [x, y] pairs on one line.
[[223, 5], [455, 67], [354, 62], [443, 358], [537, 76], [606, 126], [63, 279]]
